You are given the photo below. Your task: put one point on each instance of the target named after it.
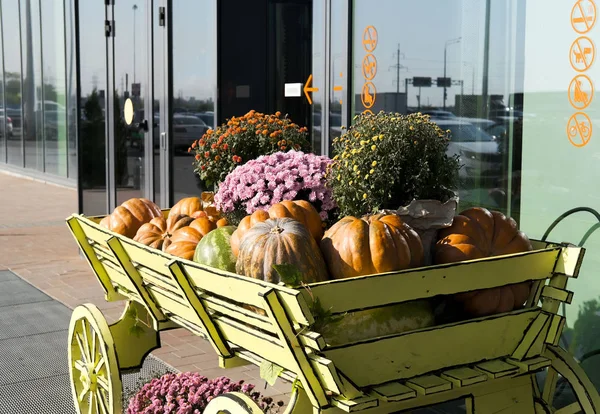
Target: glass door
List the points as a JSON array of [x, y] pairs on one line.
[[130, 117]]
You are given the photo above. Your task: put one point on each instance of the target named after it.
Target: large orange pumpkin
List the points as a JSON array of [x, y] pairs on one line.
[[158, 232], [280, 241], [477, 233], [299, 210], [187, 206], [127, 218], [184, 241], [372, 244]]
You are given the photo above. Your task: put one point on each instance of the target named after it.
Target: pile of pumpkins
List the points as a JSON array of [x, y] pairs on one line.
[[292, 232]]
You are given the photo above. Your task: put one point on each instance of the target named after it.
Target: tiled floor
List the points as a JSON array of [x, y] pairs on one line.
[[35, 244]]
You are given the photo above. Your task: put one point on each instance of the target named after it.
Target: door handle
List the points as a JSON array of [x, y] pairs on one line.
[[143, 125]]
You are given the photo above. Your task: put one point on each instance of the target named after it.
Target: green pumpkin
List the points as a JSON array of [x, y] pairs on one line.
[[214, 249], [373, 323]]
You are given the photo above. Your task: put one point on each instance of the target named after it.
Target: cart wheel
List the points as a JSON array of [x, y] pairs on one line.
[[564, 368], [232, 403], [94, 370]]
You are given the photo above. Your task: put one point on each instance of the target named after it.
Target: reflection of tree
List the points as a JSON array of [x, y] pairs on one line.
[[193, 105], [12, 91], [586, 339], [93, 149]]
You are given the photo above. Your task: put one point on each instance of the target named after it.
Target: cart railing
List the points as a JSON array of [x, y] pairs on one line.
[[250, 320]]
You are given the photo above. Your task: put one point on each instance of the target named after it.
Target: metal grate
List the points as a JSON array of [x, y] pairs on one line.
[[46, 395], [33, 319], [16, 292]]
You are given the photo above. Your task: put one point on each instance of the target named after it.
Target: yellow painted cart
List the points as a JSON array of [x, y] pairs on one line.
[[490, 362]]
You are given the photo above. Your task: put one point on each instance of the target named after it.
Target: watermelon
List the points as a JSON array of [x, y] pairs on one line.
[[214, 249], [373, 323]]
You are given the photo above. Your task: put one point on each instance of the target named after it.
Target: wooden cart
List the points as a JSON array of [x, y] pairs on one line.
[[491, 362]]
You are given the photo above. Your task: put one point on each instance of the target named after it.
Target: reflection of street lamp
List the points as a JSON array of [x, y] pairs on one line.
[[135, 7], [448, 43]]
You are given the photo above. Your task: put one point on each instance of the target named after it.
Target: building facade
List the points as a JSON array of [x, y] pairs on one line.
[[512, 80]]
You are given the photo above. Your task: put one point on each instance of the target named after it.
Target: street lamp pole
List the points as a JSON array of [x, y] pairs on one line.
[[448, 43], [135, 7]]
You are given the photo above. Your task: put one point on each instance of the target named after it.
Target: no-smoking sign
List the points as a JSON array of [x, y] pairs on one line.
[[583, 16]]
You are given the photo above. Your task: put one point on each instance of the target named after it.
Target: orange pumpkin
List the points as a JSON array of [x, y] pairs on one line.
[[369, 245], [280, 241], [127, 218], [187, 206], [299, 210], [184, 241], [158, 232], [477, 233]]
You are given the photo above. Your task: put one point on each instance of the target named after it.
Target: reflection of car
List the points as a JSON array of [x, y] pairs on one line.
[[187, 129], [438, 113], [9, 124], [207, 117], [478, 152]]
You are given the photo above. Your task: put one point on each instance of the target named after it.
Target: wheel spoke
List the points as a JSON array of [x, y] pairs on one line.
[[81, 347], [100, 364], [80, 366], [103, 382], [101, 402], [94, 338], [91, 406], [87, 342], [83, 392], [550, 386]]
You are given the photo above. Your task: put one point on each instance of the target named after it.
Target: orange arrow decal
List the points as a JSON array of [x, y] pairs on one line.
[[308, 88]]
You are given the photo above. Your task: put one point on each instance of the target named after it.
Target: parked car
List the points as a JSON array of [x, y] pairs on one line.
[[187, 129], [478, 152], [9, 124], [208, 117]]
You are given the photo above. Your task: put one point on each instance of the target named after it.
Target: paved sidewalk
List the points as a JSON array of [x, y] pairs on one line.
[[36, 245]]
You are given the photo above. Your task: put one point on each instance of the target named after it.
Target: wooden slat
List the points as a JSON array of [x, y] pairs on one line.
[[151, 276], [237, 312], [415, 353], [312, 340], [394, 391], [532, 332], [429, 384], [555, 331], [569, 261], [117, 276], [167, 303], [497, 368], [531, 364], [561, 295], [359, 404], [244, 290], [378, 290], [75, 224], [464, 376], [326, 373]]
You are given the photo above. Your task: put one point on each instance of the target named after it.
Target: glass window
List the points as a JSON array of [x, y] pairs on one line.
[[55, 98], [131, 81], [92, 144], [338, 75], [5, 122], [71, 88], [194, 86], [31, 53], [448, 70], [12, 79]]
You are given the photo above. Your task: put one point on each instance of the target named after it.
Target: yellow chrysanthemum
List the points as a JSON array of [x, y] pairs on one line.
[[355, 167], [373, 147], [364, 195], [374, 164], [372, 171], [367, 177]]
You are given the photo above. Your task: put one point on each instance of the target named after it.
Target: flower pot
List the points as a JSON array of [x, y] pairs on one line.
[[427, 217]]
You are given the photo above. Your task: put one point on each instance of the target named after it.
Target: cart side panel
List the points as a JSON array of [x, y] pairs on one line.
[[350, 294], [419, 352]]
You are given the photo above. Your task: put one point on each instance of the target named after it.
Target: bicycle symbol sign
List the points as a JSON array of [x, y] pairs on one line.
[[579, 129]]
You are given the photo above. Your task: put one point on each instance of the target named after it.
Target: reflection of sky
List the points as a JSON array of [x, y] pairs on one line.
[[422, 29]]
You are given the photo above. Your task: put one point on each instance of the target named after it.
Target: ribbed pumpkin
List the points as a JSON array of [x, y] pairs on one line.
[[477, 233], [213, 215], [369, 245], [184, 241], [158, 232], [187, 206], [127, 218], [299, 210], [280, 241]]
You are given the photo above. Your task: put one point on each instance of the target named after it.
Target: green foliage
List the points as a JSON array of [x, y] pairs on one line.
[[270, 371], [289, 274], [242, 139], [386, 160]]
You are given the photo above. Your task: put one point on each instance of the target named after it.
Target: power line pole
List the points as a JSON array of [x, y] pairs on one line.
[[398, 66]]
